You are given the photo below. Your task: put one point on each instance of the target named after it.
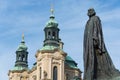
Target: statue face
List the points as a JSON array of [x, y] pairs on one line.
[[91, 12]]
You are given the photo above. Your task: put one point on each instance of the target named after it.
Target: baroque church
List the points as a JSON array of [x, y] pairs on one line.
[[52, 63]]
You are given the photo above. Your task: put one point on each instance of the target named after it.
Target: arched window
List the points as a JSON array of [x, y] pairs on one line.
[[49, 34], [53, 35], [19, 57], [55, 73], [23, 57], [40, 72]]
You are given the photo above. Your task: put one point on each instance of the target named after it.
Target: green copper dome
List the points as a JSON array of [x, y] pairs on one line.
[[22, 46], [68, 58], [70, 62], [52, 22]]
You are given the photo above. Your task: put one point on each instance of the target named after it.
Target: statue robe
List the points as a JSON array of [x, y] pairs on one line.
[[97, 62]]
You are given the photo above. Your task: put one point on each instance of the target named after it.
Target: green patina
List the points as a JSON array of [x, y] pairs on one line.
[[20, 68], [70, 62], [52, 22], [49, 47], [22, 47]]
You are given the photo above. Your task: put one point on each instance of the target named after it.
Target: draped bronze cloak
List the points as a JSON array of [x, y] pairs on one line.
[[97, 62]]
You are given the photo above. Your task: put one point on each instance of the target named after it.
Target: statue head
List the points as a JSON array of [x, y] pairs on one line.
[[91, 12]]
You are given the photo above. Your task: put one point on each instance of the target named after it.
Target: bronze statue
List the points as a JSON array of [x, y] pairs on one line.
[[97, 62]]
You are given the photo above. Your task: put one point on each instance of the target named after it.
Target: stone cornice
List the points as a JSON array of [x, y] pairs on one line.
[[18, 71], [50, 51]]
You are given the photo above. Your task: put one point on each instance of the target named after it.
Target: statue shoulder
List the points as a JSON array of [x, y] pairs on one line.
[[96, 18]]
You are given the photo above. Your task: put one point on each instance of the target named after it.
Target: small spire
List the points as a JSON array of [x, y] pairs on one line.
[[52, 10], [23, 37]]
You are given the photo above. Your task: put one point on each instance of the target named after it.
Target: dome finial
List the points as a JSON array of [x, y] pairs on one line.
[[52, 10], [22, 45], [23, 37]]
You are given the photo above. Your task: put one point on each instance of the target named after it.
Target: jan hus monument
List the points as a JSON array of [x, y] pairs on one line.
[[97, 62]]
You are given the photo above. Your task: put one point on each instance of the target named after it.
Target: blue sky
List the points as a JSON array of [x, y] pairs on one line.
[[30, 16]]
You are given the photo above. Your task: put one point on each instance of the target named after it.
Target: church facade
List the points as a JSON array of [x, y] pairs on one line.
[[52, 63]]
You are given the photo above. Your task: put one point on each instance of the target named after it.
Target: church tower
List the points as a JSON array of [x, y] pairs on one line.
[[51, 58], [51, 32], [19, 72], [22, 55]]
